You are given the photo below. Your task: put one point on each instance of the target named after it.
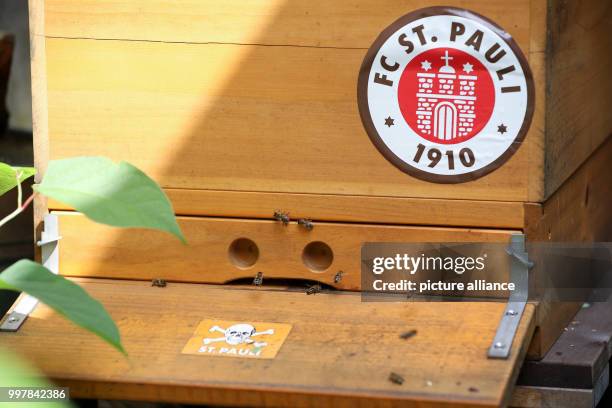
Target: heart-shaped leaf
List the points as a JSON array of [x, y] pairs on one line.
[[8, 176], [63, 296], [116, 194]]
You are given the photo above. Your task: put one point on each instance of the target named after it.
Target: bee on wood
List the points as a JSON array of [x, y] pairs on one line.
[[159, 283], [316, 288], [282, 217], [338, 277], [306, 223], [408, 334], [395, 378], [258, 281]]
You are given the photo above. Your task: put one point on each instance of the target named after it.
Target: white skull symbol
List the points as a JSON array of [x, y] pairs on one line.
[[239, 333]]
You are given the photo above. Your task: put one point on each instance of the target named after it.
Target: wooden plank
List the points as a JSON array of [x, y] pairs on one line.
[[580, 210], [317, 23], [190, 118], [93, 250], [543, 397], [552, 316], [577, 212], [336, 354], [579, 357], [343, 208], [537, 63], [40, 105], [580, 55]]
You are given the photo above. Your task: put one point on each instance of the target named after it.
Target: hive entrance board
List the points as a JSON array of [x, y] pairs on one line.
[[339, 352], [222, 250]]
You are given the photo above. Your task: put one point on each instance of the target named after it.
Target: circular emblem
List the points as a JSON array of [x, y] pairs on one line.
[[445, 95]]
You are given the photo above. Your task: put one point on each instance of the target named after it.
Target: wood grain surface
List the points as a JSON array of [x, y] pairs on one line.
[[580, 86], [195, 69], [40, 105], [580, 355], [234, 117], [345, 208], [339, 353], [316, 23], [88, 249], [171, 89], [579, 211]]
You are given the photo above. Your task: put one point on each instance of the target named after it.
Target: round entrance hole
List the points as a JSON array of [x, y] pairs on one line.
[[243, 253], [317, 256]]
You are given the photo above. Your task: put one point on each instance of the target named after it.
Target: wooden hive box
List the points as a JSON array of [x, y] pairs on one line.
[[242, 110]]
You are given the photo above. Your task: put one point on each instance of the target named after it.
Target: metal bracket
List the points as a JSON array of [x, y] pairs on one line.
[[25, 304], [519, 275]]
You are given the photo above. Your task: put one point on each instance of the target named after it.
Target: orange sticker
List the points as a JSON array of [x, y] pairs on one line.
[[237, 339]]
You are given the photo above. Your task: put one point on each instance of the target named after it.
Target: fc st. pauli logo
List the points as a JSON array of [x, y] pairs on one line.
[[445, 95]]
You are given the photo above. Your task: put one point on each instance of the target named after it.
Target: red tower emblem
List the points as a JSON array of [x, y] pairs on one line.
[[442, 103]]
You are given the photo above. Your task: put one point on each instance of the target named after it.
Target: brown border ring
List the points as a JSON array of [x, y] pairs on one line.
[[364, 110]]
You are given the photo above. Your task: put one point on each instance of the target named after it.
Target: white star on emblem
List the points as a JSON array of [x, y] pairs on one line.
[[426, 65], [467, 67]]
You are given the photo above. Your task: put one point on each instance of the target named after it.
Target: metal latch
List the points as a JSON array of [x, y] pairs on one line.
[[25, 304], [519, 275]]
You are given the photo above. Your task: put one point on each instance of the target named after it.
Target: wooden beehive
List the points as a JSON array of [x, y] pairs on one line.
[[242, 110]]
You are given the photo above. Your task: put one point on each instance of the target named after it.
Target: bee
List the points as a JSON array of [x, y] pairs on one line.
[[258, 281], [282, 217], [306, 223], [338, 277], [395, 378], [316, 288], [159, 283], [408, 334]]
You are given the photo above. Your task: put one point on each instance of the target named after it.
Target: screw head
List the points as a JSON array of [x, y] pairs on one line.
[[13, 319], [499, 345], [511, 312]]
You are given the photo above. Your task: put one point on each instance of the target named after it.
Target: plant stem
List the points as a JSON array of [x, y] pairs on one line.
[[10, 216], [28, 201], [19, 192]]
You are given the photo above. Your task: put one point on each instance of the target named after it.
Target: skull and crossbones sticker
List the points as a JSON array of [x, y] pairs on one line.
[[238, 334], [245, 339]]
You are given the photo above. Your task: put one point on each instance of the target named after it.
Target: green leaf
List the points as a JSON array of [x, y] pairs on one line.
[[63, 296], [8, 176], [116, 194], [15, 373]]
